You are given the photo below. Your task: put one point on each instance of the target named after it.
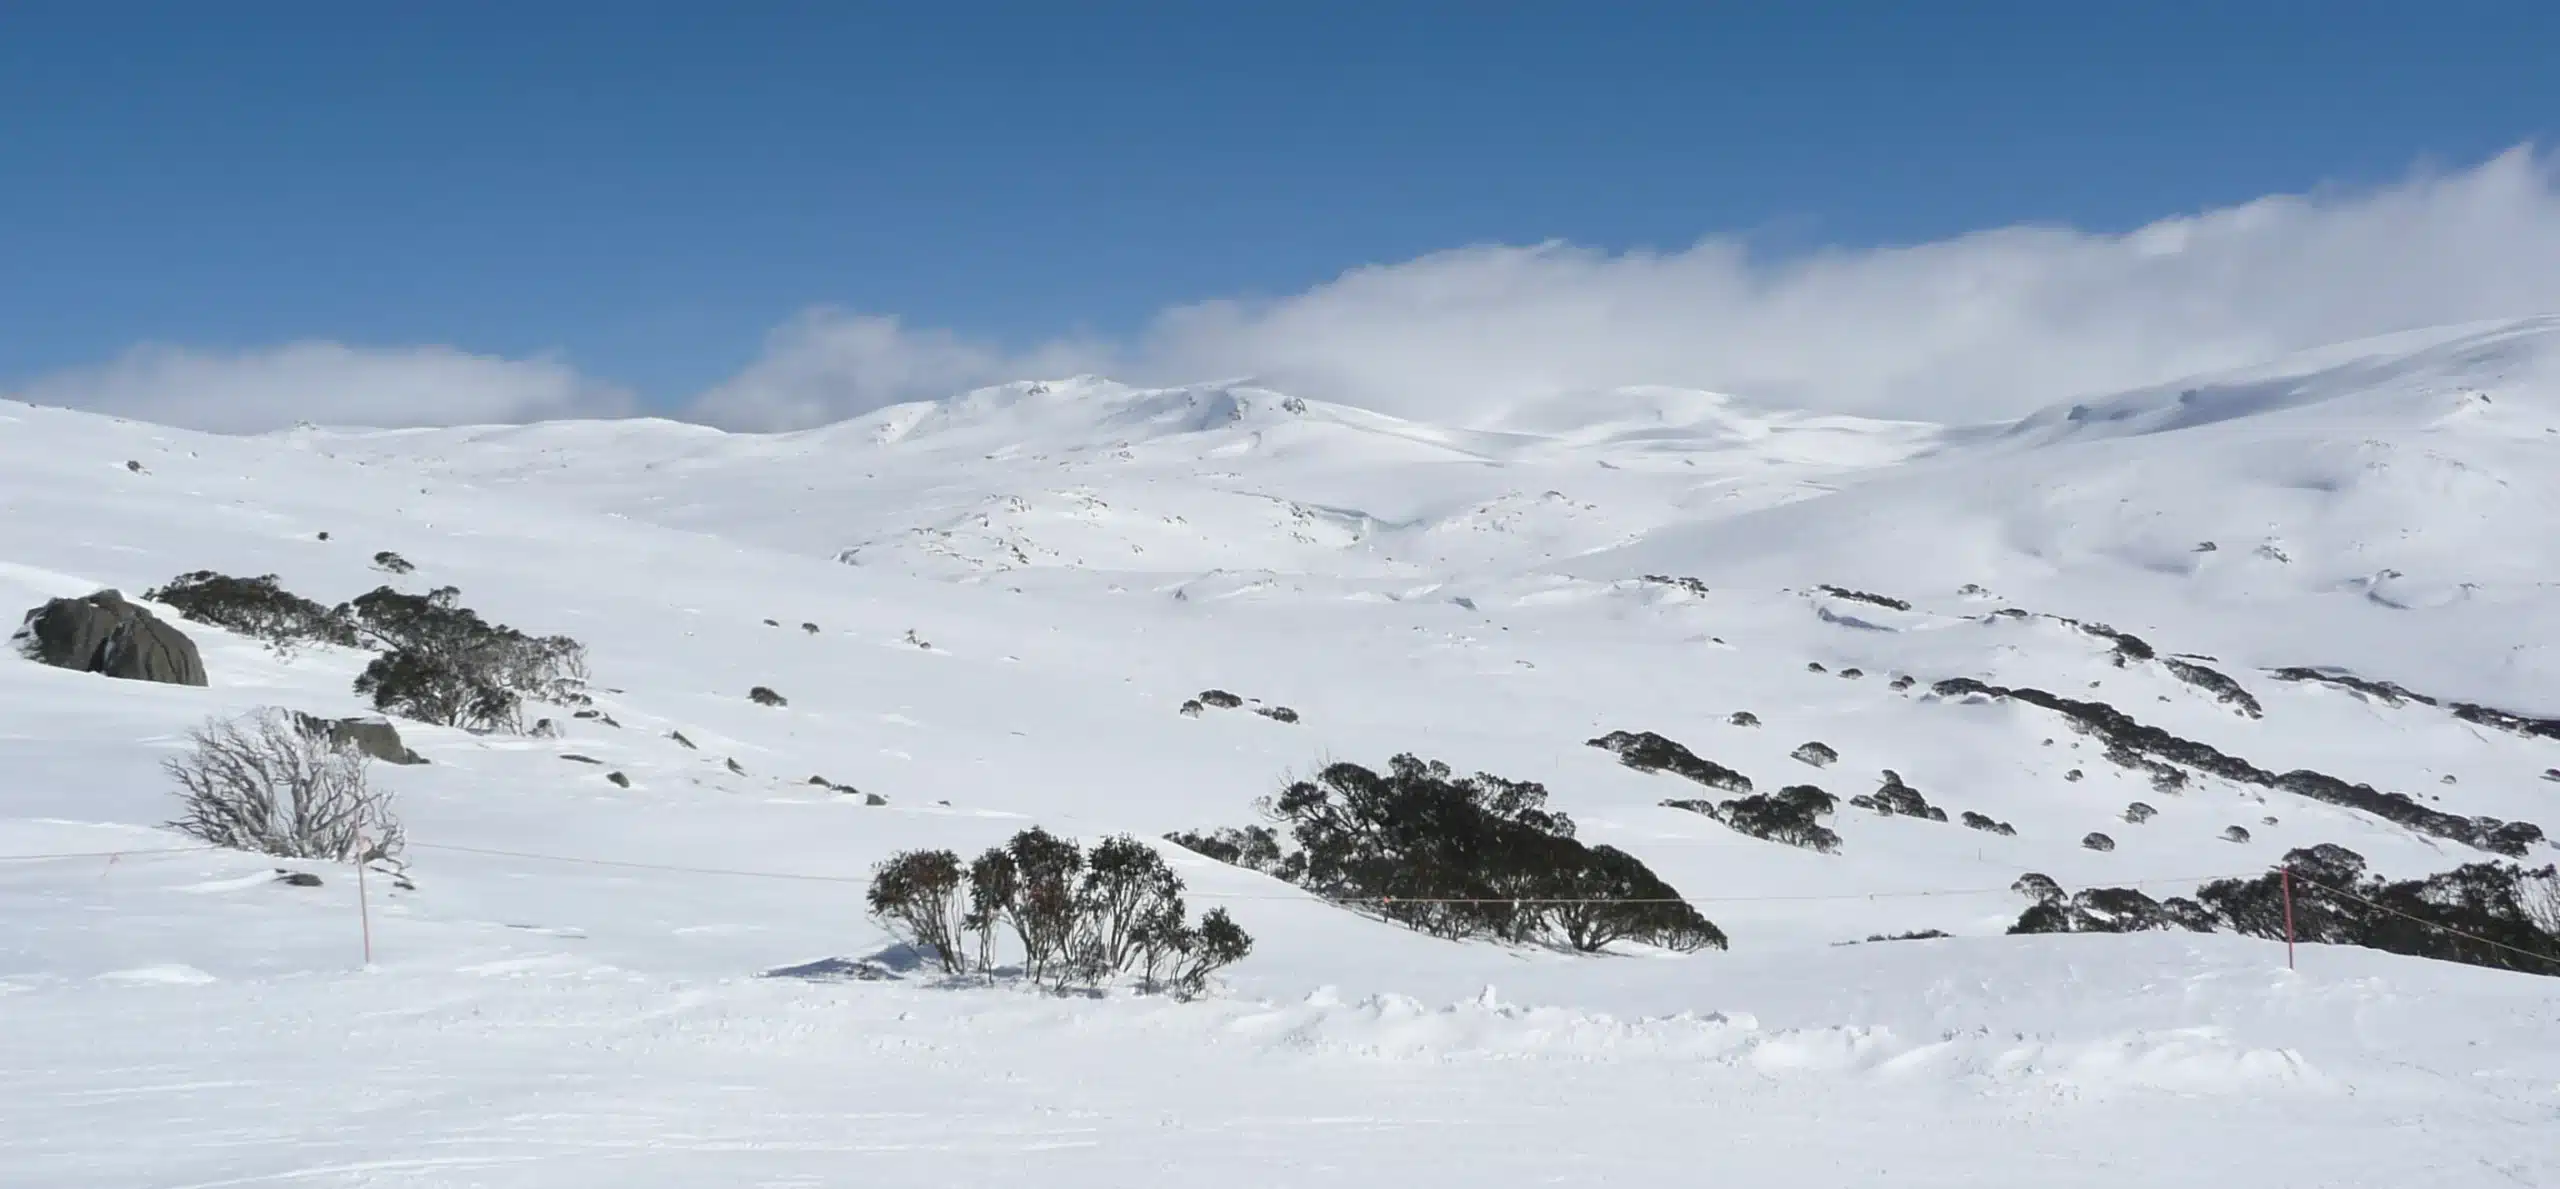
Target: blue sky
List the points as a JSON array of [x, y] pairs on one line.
[[645, 191]]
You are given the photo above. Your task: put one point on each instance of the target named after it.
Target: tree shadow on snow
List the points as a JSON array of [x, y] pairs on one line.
[[902, 962], [896, 961]]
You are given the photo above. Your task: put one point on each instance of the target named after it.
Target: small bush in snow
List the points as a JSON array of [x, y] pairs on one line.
[[2504, 906], [1609, 895], [920, 895], [1896, 799], [2097, 841], [1254, 848], [1459, 856], [1860, 596], [1914, 935], [1219, 698], [392, 563], [2038, 887], [1984, 823], [764, 696], [1744, 718], [257, 608], [2138, 813], [442, 663], [439, 689], [1072, 918], [1817, 753], [1280, 714], [2484, 914], [1694, 586], [1645, 751], [2235, 834], [1793, 815], [2112, 910], [263, 782], [1196, 954]]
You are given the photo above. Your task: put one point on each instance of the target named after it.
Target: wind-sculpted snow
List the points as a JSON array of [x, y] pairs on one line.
[[2201, 1061]]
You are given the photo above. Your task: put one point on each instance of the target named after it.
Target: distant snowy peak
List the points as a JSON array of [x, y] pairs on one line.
[[2415, 379], [1079, 411], [1689, 420], [1223, 420]]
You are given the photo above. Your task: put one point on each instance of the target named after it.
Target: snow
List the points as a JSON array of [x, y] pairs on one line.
[[1016, 588]]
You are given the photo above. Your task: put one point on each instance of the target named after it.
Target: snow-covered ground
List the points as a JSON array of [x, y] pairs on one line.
[[1008, 595]]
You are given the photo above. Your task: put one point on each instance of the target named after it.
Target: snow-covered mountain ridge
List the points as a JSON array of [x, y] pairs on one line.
[[1008, 595]]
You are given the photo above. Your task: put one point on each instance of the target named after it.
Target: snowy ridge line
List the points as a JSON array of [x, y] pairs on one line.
[[2156, 881], [2461, 933], [108, 854]]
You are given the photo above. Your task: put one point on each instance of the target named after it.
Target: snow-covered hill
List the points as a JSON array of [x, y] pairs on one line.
[[987, 610]]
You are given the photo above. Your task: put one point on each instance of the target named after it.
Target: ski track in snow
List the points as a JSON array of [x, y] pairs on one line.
[[1012, 591]]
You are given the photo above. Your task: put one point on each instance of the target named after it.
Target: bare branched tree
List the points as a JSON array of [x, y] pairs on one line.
[[263, 782]]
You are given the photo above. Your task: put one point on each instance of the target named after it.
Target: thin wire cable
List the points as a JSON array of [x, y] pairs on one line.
[[1264, 896], [632, 866], [805, 877], [107, 854], [2158, 881]]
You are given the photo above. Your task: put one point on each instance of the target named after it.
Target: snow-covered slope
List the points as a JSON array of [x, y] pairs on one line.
[[987, 610]]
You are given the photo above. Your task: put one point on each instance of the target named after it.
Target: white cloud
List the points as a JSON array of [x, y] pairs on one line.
[[326, 383], [828, 364], [1986, 325], [1982, 326]]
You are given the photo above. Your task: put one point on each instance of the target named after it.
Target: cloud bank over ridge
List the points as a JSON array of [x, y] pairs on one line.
[[328, 383], [1978, 327]]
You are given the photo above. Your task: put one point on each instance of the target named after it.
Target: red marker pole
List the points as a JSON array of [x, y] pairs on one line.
[[364, 904], [2288, 918]]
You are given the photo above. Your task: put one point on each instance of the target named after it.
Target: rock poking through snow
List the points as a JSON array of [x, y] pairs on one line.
[[105, 634]]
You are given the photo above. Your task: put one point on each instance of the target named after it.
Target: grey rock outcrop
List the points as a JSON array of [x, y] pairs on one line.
[[375, 737], [103, 633]]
